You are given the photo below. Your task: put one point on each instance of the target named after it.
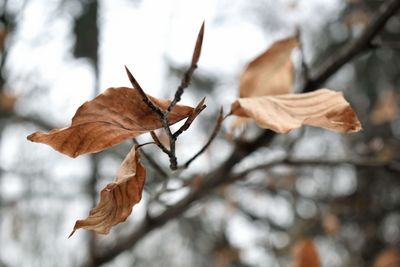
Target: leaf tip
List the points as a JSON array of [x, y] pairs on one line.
[[31, 137]]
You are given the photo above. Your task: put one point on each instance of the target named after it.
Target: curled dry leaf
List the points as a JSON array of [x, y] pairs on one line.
[[117, 198], [305, 254], [323, 108], [271, 73], [112, 117]]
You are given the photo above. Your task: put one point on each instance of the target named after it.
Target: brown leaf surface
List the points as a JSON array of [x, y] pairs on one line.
[[112, 117], [271, 73], [385, 109], [305, 254], [323, 108], [390, 257], [7, 101], [117, 198], [331, 224]]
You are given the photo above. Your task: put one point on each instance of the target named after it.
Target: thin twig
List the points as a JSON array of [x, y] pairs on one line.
[[214, 133], [151, 161], [164, 120], [361, 163], [159, 144], [145, 144], [187, 78], [199, 108], [178, 94]]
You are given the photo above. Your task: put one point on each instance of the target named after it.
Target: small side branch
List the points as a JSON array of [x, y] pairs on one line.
[[199, 108], [151, 161], [158, 143], [359, 163], [214, 133]]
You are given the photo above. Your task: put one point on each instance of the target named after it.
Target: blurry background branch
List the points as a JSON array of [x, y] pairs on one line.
[[358, 46]]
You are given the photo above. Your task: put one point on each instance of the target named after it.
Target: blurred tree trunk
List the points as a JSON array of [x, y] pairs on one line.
[[86, 31]]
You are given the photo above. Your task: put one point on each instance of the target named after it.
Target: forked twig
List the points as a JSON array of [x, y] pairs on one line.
[[164, 114], [151, 161]]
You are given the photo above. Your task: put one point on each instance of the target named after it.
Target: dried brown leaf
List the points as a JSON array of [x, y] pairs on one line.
[[385, 109], [112, 117], [3, 37], [305, 254], [356, 18], [7, 101], [323, 108], [331, 224], [271, 73], [117, 198], [390, 257]]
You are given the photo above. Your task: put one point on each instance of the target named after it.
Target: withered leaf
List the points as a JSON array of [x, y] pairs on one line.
[[323, 108], [7, 102], [112, 117], [331, 224], [271, 73], [385, 109], [305, 254], [390, 257], [117, 198]]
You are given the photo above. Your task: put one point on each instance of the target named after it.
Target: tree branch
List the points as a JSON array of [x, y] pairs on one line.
[[360, 163], [199, 108], [361, 44], [223, 173], [152, 162], [214, 133]]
